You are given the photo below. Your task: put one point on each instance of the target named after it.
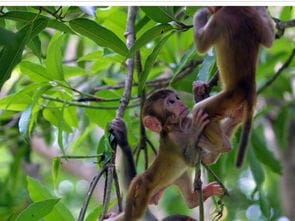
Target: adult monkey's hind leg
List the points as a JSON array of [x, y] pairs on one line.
[[218, 107]]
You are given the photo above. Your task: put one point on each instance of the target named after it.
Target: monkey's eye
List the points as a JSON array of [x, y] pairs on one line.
[[171, 102], [177, 98]]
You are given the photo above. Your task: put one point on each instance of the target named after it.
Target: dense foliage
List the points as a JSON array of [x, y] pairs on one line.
[[62, 73]]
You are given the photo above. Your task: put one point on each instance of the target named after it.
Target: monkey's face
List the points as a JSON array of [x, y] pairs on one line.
[[175, 106]]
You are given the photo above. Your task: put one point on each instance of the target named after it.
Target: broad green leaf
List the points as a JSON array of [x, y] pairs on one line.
[[94, 214], [35, 71], [20, 100], [55, 169], [54, 116], [29, 116], [184, 60], [150, 62], [11, 56], [85, 134], [37, 210], [159, 14], [148, 36], [20, 16], [263, 154], [264, 204], [281, 126], [24, 121], [70, 116], [23, 16], [206, 67], [91, 56], [39, 24], [60, 26], [35, 46], [256, 169], [99, 34], [39, 192], [54, 57], [6, 37]]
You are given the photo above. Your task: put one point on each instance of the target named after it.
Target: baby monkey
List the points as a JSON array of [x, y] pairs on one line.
[[180, 132]]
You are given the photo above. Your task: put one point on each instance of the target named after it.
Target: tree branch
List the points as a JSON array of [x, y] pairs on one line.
[[278, 73], [130, 36], [282, 25]]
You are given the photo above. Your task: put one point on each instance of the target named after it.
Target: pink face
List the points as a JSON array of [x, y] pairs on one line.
[[173, 104]]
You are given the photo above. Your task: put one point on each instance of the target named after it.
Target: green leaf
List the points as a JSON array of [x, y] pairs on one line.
[[148, 36], [35, 71], [256, 169], [263, 154], [11, 56], [159, 14], [281, 126], [54, 57], [39, 192], [206, 67], [150, 62], [20, 16], [37, 210], [55, 117], [264, 204], [29, 116], [94, 214], [99, 34], [24, 121], [20, 100], [60, 26], [35, 46], [55, 169], [6, 37]]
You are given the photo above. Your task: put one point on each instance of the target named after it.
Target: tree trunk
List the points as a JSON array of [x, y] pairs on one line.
[[288, 178]]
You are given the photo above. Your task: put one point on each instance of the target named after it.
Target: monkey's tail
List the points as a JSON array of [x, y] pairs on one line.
[[248, 113]]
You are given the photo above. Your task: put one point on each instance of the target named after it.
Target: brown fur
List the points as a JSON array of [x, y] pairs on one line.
[[236, 34]]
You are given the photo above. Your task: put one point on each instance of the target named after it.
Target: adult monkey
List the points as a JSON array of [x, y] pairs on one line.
[[236, 34], [166, 114]]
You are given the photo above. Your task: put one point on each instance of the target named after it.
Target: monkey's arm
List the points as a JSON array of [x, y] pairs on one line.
[[267, 29], [119, 130], [205, 30]]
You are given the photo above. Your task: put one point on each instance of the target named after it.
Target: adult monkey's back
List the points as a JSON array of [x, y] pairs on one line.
[[236, 34]]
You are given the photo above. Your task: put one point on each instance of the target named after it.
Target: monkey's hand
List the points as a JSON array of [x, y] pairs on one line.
[[212, 189], [119, 130], [200, 120], [200, 90], [201, 17]]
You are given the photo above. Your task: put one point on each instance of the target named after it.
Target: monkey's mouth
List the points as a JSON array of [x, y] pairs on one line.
[[184, 112]]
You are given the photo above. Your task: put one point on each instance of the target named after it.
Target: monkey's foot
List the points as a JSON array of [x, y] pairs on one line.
[[222, 146], [200, 90]]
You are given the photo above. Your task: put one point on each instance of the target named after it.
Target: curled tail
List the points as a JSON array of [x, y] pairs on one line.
[[248, 113]]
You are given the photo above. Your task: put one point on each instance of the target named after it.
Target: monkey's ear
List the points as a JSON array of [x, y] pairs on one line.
[[152, 123]]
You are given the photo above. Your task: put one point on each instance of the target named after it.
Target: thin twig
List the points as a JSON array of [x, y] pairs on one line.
[[89, 194], [216, 178], [130, 33], [78, 104], [278, 73], [80, 157], [198, 185]]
